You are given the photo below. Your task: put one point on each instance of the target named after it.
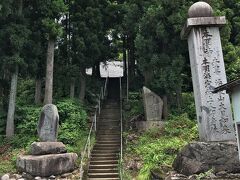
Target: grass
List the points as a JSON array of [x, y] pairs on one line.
[[156, 149]]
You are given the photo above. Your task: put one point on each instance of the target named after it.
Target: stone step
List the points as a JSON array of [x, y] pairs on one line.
[[103, 179], [108, 142], [106, 147], [103, 166], [108, 120], [106, 151], [110, 116], [100, 162], [103, 170], [103, 175], [109, 126], [100, 158], [110, 110], [99, 154], [109, 129], [105, 137], [109, 133]]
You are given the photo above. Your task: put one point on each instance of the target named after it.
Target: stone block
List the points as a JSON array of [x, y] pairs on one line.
[[42, 148], [153, 105], [47, 165], [146, 125], [199, 157]]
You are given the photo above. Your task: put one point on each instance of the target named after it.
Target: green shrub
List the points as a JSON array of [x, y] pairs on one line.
[[159, 148], [136, 105], [73, 121]]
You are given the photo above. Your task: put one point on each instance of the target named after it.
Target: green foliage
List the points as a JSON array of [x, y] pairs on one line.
[[205, 175], [136, 105], [159, 148], [73, 121], [25, 92]]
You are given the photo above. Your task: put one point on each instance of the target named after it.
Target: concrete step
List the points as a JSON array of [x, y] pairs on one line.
[[105, 151], [107, 145], [101, 158], [106, 155], [108, 121], [105, 162], [103, 171], [106, 148], [103, 166], [103, 179], [115, 128], [109, 133], [103, 175], [108, 142], [104, 137]]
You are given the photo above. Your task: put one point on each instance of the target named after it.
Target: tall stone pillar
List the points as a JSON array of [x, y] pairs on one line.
[[207, 65]]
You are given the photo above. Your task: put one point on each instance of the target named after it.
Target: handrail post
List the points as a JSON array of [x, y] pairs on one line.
[[121, 154], [95, 121]]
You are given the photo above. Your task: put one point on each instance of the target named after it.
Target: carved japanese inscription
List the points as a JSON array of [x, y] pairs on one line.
[[208, 71]]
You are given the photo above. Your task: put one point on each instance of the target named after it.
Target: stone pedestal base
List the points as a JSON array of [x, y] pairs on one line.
[[200, 157], [146, 125], [47, 165]]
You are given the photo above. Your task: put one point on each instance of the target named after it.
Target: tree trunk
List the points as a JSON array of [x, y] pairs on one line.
[[165, 107], [124, 58], [83, 86], [96, 70], [131, 60], [179, 97], [49, 72], [72, 88], [11, 105], [38, 91], [148, 76]]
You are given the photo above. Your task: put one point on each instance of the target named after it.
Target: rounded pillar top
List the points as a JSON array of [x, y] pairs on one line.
[[200, 9]]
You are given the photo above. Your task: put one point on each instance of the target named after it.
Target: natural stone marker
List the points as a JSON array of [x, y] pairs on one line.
[[153, 105], [48, 123], [199, 157], [49, 157], [213, 110]]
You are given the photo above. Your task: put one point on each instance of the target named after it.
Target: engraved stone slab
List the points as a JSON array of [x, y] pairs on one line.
[[213, 110], [153, 105], [48, 123]]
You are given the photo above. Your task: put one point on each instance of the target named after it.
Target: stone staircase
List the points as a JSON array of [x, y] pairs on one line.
[[103, 164]]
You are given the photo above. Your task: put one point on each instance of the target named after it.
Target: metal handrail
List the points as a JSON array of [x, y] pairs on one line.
[[87, 148], [121, 114]]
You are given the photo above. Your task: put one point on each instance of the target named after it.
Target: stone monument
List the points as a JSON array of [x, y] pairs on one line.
[[47, 157], [218, 149], [48, 124], [214, 115], [153, 107]]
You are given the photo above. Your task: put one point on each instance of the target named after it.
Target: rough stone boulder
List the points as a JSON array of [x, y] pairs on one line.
[[200, 157], [47, 165], [42, 148]]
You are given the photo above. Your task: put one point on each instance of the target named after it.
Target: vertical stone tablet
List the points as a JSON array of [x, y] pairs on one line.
[[48, 123], [153, 105], [214, 115]]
